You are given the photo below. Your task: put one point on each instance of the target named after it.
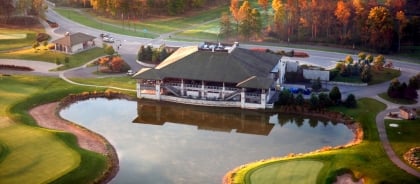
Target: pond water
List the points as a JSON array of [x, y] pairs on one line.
[[171, 143]]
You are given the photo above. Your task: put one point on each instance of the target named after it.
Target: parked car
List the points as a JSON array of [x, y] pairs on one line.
[[130, 72], [108, 39]]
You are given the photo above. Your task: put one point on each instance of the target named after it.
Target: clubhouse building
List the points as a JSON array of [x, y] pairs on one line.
[[214, 74]]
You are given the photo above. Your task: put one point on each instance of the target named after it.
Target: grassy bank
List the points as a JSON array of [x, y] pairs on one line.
[[396, 100], [367, 159], [40, 155], [121, 82]]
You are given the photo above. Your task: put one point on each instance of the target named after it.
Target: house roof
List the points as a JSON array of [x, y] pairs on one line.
[[232, 67], [74, 39]]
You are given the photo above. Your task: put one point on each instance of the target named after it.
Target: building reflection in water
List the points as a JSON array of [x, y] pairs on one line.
[[204, 118]]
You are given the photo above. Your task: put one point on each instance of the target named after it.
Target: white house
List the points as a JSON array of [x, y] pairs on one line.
[[74, 43]]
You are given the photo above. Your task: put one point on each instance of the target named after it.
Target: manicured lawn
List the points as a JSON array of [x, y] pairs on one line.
[[30, 153], [43, 54], [396, 100], [299, 171], [208, 31], [7, 44], [149, 28], [387, 74], [367, 159], [403, 137], [87, 20]]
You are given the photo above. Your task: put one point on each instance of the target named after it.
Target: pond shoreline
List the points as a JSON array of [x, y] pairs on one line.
[[46, 116], [355, 127]]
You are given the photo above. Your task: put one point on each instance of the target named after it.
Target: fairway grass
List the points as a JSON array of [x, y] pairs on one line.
[[29, 153], [11, 39], [296, 172], [152, 28], [36, 154]]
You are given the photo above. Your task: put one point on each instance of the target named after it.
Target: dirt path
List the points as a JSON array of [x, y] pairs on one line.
[[45, 116]]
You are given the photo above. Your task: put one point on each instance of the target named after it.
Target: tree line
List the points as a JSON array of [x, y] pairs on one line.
[[359, 23]]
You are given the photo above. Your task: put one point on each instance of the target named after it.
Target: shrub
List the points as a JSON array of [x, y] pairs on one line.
[[350, 101], [42, 37], [66, 60], [335, 95]]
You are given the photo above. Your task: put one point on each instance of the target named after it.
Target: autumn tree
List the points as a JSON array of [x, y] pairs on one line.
[[342, 12], [256, 22], [6, 9], [349, 59], [264, 6], [234, 10], [402, 23], [362, 56], [279, 13], [109, 50], [249, 20], [380, 26], [378, 62], [226, 29], [116, 64]]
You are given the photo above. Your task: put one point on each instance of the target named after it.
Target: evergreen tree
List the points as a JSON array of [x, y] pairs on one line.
[[299, 100], [316, 84], [335, 95], [350, 101], [324, 100], [148, 54], [314, 101], [366, 74], [163, 54], [393, 88]]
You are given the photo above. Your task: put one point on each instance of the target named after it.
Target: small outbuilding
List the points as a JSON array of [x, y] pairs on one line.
[[408, 113], [74, 43]]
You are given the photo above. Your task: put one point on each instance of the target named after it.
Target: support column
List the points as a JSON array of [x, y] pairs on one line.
[[223, 91], [182, 87], [138, 89], [263, 98], [157, 86], [243, 98], [202, 90]]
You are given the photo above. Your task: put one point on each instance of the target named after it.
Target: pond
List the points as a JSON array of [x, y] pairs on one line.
[[168, 143]]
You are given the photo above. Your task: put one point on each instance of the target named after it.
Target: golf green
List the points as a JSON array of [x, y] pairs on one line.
[[299, 171]]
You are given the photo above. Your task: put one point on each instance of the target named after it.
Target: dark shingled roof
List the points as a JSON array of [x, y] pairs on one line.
[[74, 39], [234, 67], [256, 82]]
